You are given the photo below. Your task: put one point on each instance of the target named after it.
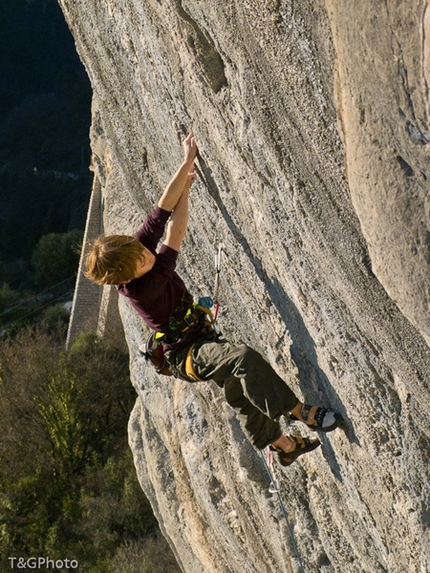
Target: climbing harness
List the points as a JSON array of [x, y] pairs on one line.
[[189, 368], [199, 319], [274, 489], [152, 350]]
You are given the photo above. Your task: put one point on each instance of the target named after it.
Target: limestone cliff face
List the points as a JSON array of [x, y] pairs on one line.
[[312, 124]]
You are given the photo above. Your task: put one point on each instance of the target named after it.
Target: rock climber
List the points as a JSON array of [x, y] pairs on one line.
[[184, 343]]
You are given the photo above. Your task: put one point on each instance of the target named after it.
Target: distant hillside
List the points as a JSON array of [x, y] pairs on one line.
[[45, 101]]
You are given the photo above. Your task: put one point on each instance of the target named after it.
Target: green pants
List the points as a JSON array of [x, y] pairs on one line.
[[251, 386]]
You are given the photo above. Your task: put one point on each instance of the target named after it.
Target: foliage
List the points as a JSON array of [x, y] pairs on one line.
[[149, 555], [55, 260], [8, 297], [45, 102], [55, 319], [56, 256], [67, 481], [36, 205]]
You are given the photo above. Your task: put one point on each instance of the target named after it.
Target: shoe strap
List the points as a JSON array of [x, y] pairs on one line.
[[309, 414]]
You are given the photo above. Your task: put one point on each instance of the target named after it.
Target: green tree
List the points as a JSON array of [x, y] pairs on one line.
[[56, 257], [67, 480], [8, 297]]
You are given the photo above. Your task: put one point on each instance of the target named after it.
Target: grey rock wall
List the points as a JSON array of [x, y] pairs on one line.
[[312, 124]]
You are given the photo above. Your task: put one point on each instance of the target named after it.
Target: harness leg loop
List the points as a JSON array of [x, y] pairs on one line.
[[189, 368]]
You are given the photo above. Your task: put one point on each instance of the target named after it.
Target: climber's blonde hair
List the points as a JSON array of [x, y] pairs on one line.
[[113, 259]]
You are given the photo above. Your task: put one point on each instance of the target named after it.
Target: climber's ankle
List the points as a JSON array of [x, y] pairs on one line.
[[284, 443]]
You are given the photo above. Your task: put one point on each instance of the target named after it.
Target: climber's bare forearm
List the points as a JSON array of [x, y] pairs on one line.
[[179, 181], [175, 188], [178, 223]]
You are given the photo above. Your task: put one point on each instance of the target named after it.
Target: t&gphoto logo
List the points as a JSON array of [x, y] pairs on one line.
[[41, 563]]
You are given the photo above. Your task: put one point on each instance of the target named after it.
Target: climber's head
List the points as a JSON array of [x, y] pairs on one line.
[[117, 259]]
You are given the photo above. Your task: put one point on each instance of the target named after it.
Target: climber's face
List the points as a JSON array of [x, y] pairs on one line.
[[143, 265]]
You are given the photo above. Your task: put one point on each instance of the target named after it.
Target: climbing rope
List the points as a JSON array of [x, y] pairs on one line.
[[217, 274], [202, 177], [274, 489]]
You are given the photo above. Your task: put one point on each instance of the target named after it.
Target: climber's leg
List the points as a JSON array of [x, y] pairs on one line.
[[222, 361]]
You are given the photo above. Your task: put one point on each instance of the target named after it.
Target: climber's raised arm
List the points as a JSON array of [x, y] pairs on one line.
[[175, 188], [177, 225]]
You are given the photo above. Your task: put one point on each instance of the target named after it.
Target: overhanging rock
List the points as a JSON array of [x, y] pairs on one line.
[[312, 125]]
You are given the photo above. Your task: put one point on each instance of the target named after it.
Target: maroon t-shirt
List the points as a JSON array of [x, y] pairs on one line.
[[160, 296]]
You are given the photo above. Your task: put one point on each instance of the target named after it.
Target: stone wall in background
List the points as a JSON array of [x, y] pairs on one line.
[[84, 316]]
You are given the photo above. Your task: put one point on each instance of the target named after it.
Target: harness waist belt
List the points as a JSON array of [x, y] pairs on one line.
[[196, 316]]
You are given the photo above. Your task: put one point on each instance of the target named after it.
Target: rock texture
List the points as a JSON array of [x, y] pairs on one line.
[[312, 123]]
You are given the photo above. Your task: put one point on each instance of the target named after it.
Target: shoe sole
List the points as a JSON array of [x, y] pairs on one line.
[[297, 453]]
